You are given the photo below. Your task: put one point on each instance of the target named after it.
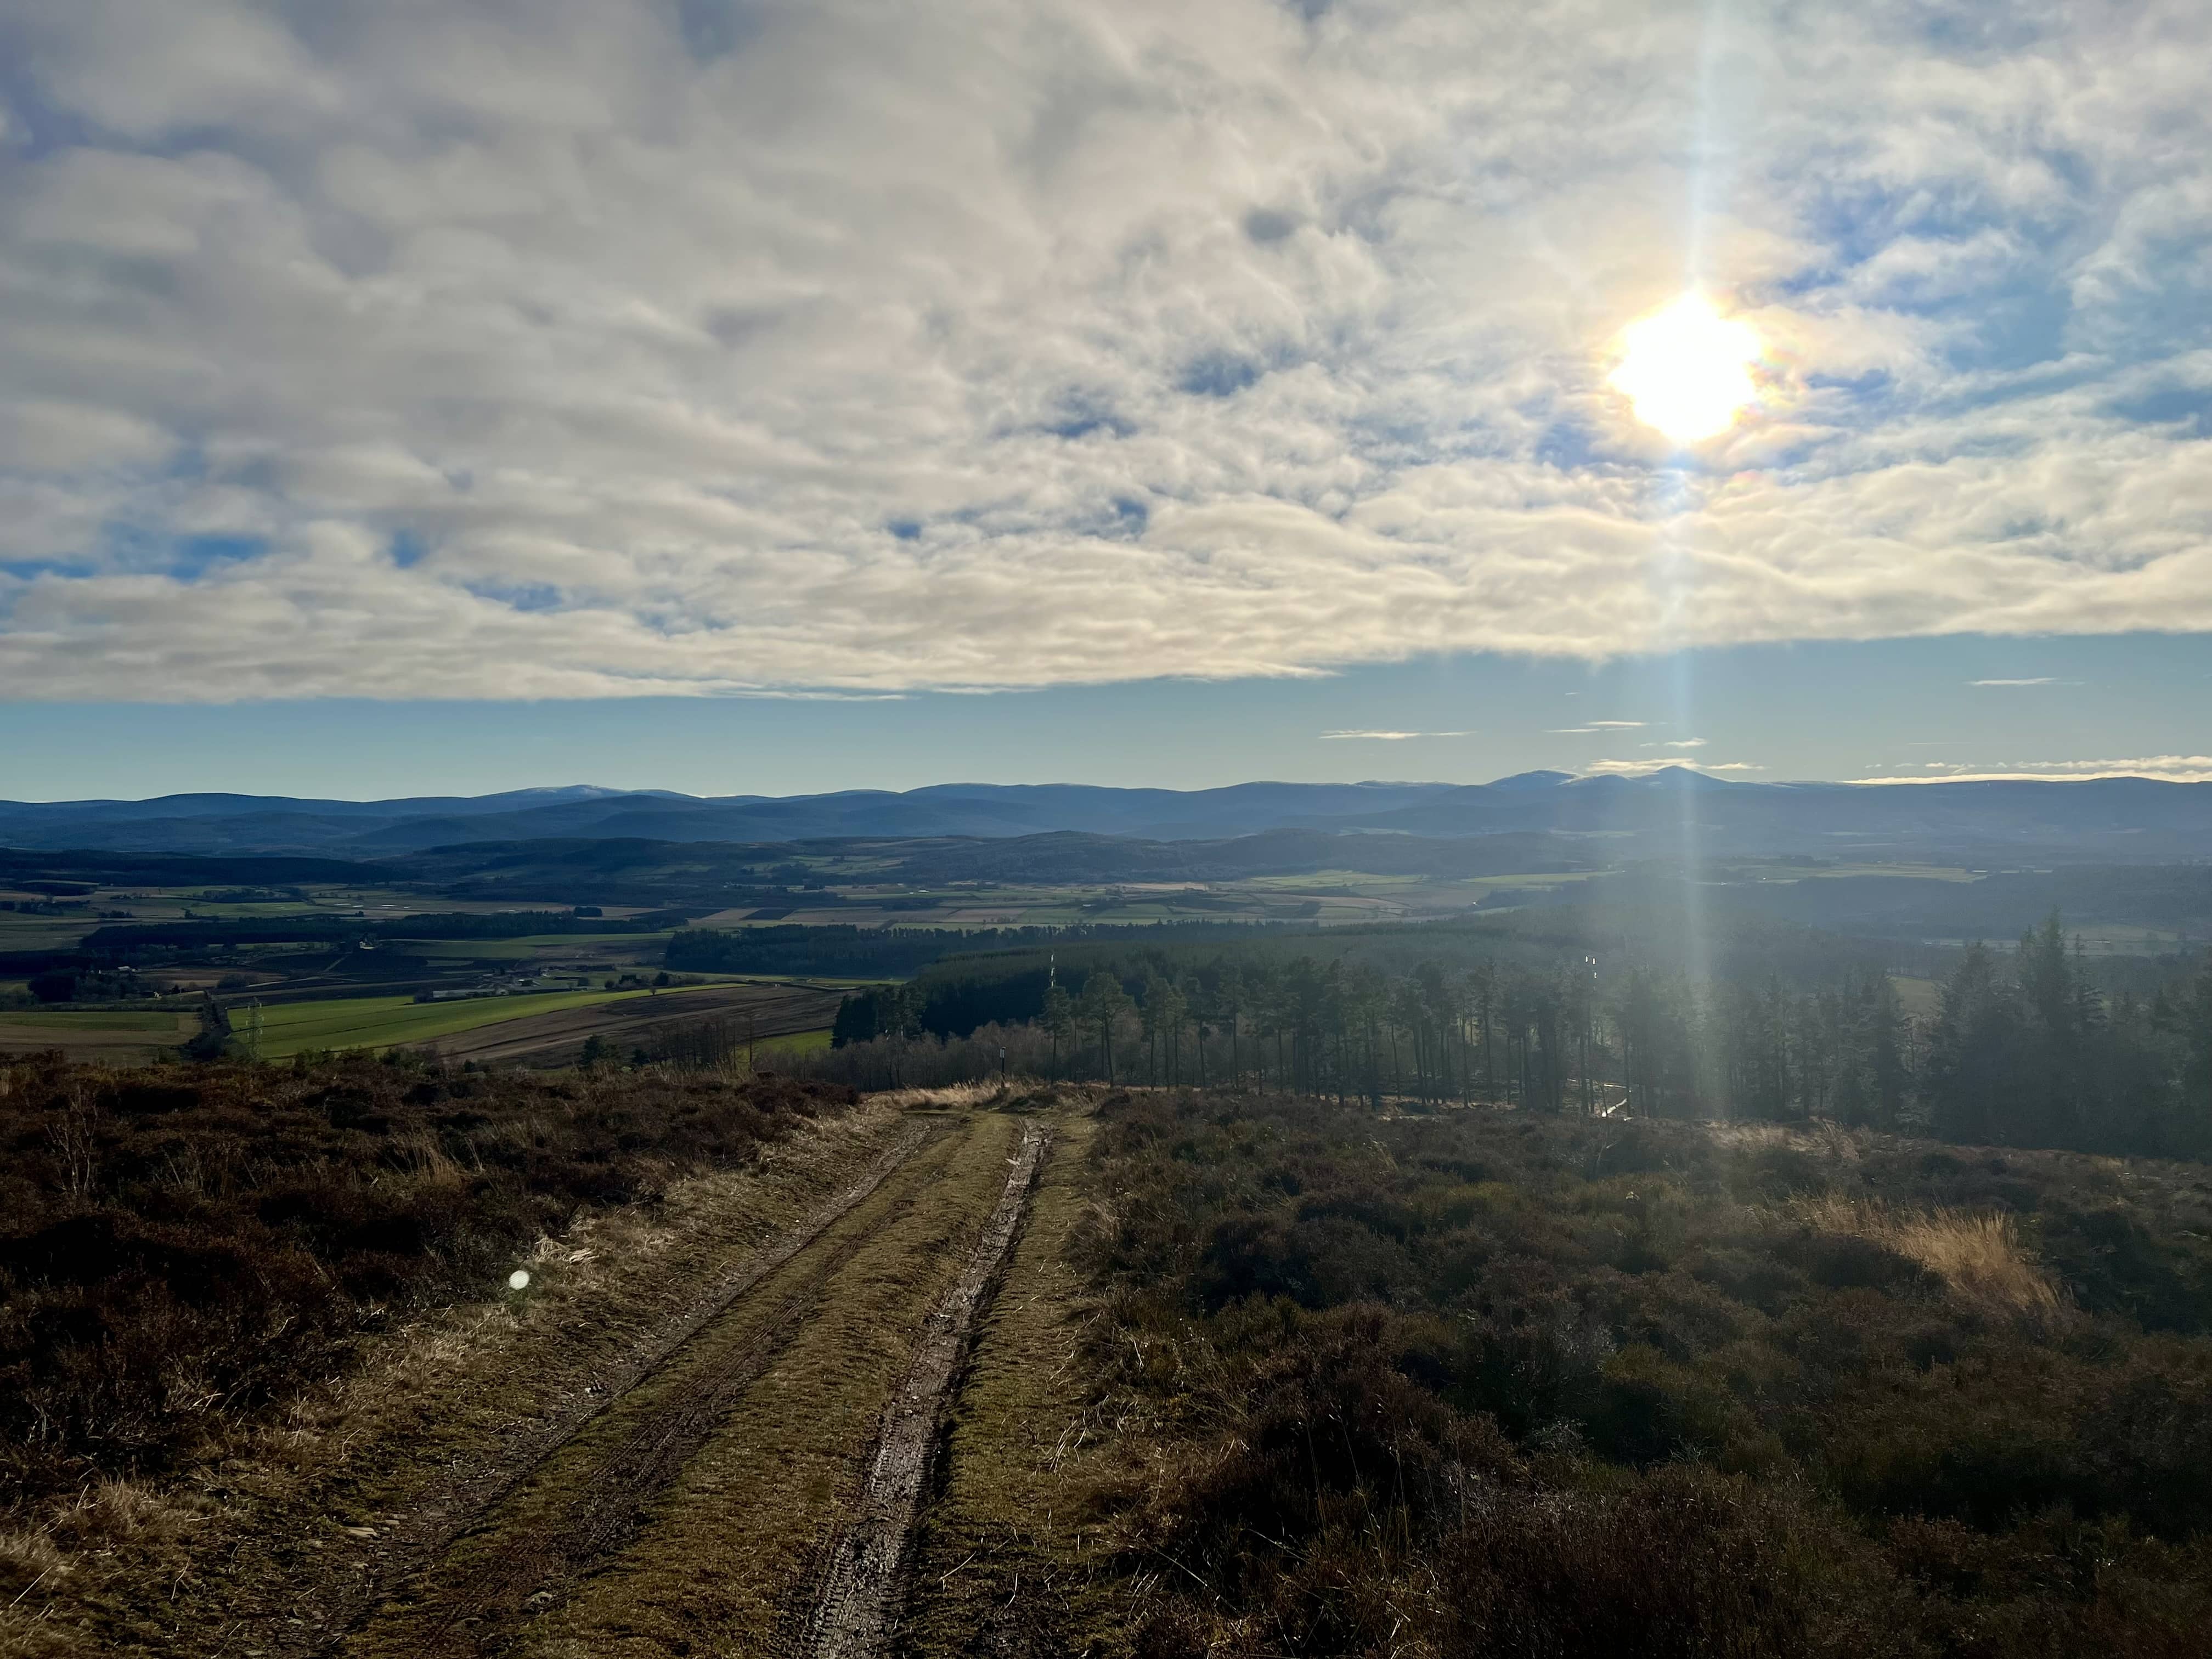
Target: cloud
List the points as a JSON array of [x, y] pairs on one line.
[[1617, 725], [1678, 742], [1391, 737], [1638, 768], [2167, 768], [627, 349], [2041, 679]]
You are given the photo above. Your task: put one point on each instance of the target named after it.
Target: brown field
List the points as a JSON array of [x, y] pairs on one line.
[[557, 1038], [112, 1039]]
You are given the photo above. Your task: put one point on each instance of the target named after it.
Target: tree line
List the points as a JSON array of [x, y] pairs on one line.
[[2023, 1047]]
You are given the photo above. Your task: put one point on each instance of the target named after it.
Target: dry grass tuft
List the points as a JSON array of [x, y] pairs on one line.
[[1760, 1137], [942, 1098], [104, 1522], [1977, 1253]]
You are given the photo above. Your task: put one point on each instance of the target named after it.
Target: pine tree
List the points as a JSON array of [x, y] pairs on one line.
[[1973, 1071], [1058, 1019], [1102, 1002]]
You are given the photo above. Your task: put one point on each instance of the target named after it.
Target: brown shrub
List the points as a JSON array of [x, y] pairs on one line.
[[1684, 1564], [1653, 1390], [180, 1247]]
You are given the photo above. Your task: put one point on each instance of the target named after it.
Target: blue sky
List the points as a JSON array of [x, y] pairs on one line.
[[1894, 709], [459, 393]]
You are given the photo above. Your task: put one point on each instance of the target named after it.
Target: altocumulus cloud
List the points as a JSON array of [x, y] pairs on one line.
[[2164, 768], [599, 347], [1388, 737]]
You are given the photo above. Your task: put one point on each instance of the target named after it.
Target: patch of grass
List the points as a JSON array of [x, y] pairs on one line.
[[36, 933], [1923, 999], [1978, 1255], [132, 1038], [1002, 1557], [797, 1043]]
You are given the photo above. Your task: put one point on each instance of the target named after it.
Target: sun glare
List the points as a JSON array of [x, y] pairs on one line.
[[1687, 370]]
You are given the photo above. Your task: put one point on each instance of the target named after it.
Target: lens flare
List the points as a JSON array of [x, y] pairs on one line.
[[1686, 369]]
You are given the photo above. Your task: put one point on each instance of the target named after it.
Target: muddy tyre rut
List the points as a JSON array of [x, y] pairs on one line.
[[462, 1498], [860, 1597], [537, 1562], [755, 1484]]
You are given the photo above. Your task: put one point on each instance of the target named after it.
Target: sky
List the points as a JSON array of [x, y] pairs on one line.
[[1913, 708], [731, 395]]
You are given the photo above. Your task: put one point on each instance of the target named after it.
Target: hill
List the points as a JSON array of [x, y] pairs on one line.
[[2113, 820]]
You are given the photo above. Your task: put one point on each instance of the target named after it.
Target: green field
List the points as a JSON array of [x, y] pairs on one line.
[[799, 1043], [1920, 998], [289, 1027], [1921, 871]]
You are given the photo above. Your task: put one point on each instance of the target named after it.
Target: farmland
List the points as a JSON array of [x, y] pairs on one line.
[[695, 1025], [387, 1022], [531, 1027], [544, 936], [121, 1038]]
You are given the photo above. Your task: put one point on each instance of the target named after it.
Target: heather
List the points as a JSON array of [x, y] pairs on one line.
[[184, 1248], [1494, 1382]]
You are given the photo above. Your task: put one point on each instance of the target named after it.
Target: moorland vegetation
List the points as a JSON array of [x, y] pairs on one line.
[[1442, 1381], [184, 1248]]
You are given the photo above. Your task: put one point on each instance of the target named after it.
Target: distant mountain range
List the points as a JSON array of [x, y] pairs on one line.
[[2104, 820]]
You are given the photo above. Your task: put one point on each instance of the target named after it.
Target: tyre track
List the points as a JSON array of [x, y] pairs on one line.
[[464, 1495], [862, 1590], [538, 1560]]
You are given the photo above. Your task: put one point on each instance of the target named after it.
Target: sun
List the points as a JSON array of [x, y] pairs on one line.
[[1687, 370]]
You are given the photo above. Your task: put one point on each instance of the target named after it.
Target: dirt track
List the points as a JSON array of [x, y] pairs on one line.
[[466, 1493], [594, 1514], [746, 1474]]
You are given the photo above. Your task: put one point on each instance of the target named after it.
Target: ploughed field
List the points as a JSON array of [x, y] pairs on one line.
[[741, 1013], [125, 1037], [1042, 1370], [544, 1029], [337, 1024]]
